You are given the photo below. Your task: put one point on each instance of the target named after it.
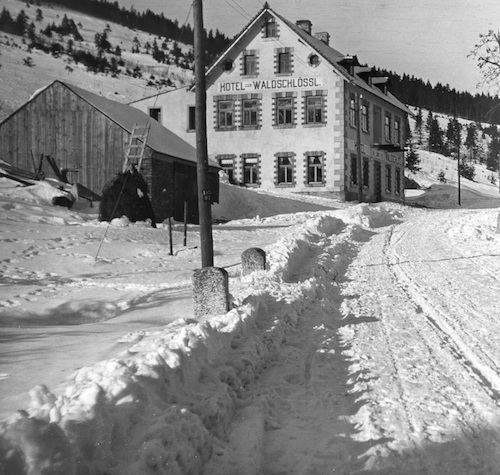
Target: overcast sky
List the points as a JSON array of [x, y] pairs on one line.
[[429, 39]]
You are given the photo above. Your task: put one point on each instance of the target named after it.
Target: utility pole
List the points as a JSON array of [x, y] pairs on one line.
[[359, 97], [458, 169], [204, 197]]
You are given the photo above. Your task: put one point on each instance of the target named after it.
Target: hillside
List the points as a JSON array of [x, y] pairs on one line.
[[21, 76]]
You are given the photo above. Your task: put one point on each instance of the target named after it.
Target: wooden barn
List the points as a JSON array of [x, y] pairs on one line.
[[88, 135]]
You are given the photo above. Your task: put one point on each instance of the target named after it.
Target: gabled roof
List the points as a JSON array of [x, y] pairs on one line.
[[330, 54], [160, 139]]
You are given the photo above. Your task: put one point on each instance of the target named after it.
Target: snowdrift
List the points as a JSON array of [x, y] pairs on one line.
[[161, 406]]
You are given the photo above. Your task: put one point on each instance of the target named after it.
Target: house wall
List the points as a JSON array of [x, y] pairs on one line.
[[267, 141], [258, 147], [385, 176], [60, 124], [174, 111]]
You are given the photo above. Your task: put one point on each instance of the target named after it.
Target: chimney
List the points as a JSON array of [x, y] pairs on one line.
[[306, 25], [324, 37]]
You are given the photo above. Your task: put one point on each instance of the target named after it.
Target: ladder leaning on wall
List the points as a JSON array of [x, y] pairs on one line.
[[136, 147]]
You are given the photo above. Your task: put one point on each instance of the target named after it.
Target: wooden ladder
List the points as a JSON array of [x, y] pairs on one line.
[[136, 147]]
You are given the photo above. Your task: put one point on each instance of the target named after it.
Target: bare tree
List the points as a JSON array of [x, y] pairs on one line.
[[487, 54]]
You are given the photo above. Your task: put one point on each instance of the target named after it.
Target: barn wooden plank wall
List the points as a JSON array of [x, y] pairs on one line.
[[59, 123]]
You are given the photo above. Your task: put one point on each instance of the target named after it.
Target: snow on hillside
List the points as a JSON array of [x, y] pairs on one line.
[[343, 356], [18, 81]]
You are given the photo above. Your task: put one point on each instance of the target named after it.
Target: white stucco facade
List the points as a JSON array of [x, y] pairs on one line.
[[279, 116]]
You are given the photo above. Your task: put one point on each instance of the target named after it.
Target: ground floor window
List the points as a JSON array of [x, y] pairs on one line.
[[388, 178], [366, 173], [398, 180], [315, 168], [251, 170], [227, 165], [354, 169], [285, 170]]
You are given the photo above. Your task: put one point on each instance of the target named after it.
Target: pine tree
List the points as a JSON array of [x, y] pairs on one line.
[[493, 153], [412, 159], [471, 140], [419, 124]]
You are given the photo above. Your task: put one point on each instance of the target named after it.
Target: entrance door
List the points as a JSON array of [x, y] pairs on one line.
[[377, 180]]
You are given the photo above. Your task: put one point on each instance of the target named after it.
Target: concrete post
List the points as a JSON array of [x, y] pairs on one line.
[[252, 259], [210, 291]]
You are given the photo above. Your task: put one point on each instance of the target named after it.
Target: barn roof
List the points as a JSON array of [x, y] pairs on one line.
[[160, 139]]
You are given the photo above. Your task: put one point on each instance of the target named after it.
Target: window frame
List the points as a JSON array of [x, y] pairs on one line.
[[366, 172], [249, 67], [270, 28], [388, 127], [314, 167], [353, 116], [365, 117], [388, 178], [251, 164], [157, 111], [229, 112], [288, 168], [253, 112], [354, 169], [397, 130], [286, 110], [315, 109], [284, 65]]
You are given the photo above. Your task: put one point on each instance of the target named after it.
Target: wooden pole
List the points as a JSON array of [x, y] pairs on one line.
[[204, 198], [458, 168], [358, 147], [170, 236], [185, 222]]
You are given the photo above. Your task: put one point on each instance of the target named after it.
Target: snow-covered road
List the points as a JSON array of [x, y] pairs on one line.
[[398, 371]]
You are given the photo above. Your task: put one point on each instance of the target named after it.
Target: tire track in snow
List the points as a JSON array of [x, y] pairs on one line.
[[413, 374], [442, 315]]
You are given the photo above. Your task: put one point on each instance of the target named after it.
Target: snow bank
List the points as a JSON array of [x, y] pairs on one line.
[[160, 406]]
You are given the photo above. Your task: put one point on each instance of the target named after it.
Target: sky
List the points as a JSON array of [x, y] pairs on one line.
[[429, 39]]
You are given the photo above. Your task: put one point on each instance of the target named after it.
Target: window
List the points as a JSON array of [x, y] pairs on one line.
[[155, 114], [354, 169], [398, 180], [397, 130], [249, 113], [284, 110], [365, 122], [227, 164], [192, 118], [366, 173], [314, 169], [285, 170], [285, 63], [270, 29], [249, 65], [225, 114], [387, 127], [251, 171], [388, 178], [353, 119], [314, 109]]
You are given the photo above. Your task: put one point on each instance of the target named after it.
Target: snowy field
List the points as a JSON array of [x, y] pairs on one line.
[[369, 345]]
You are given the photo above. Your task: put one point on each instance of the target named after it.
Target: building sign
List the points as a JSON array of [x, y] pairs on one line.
[[270, 84]]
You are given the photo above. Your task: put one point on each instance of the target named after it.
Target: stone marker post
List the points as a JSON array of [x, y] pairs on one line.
[[252, 259], [210, 291]]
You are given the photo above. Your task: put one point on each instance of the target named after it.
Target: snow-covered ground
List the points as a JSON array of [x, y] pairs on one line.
[[369, 345]]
